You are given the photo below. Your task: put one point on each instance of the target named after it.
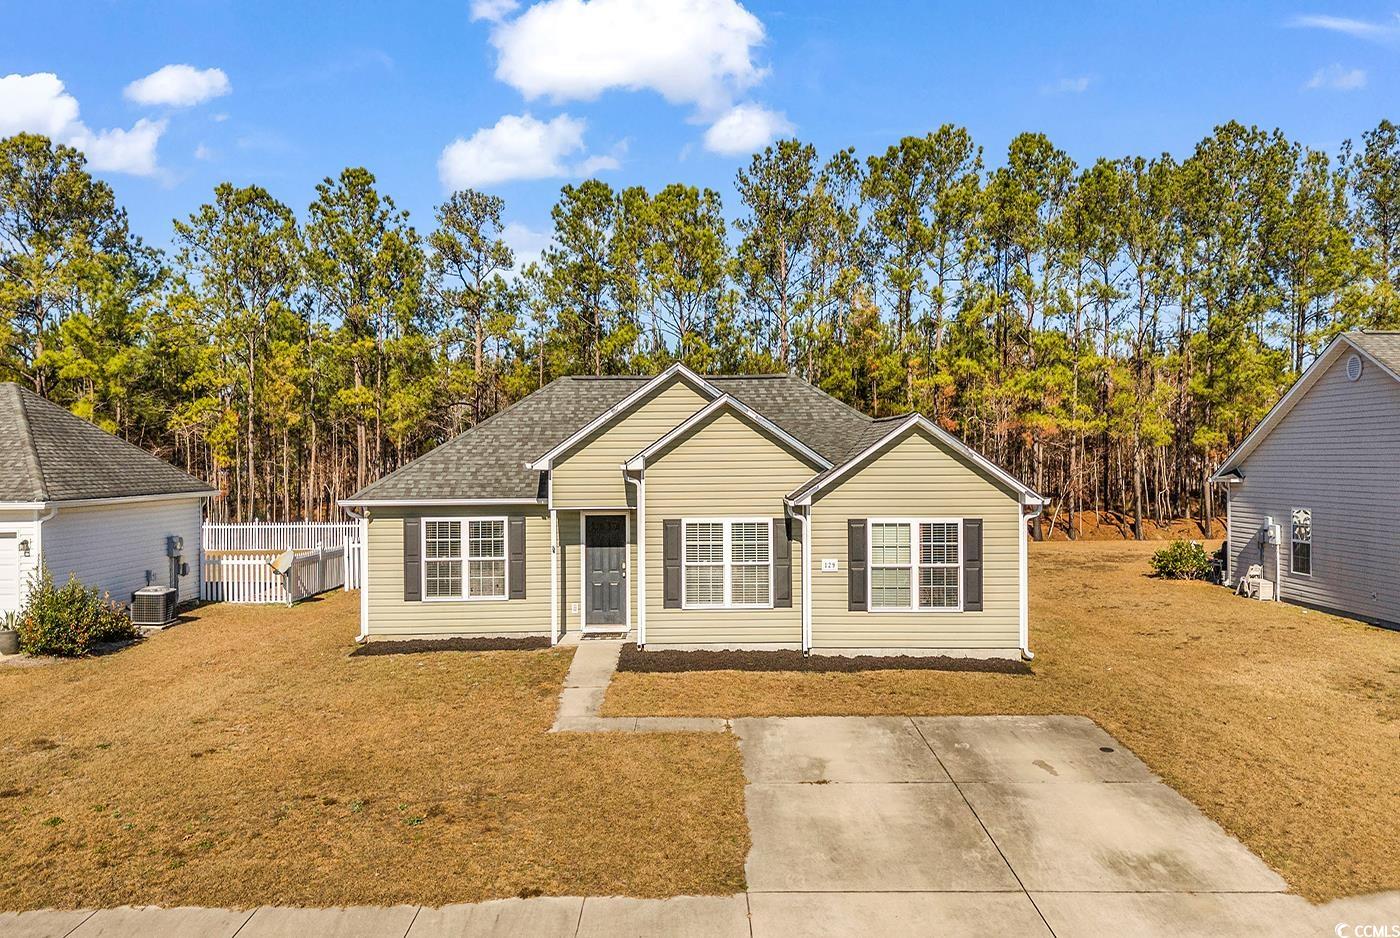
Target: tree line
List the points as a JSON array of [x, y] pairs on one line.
[[1106, 332]]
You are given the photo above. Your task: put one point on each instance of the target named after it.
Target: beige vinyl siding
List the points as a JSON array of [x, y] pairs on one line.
[[725, 469], [1336, 453], [391, 617], [591, 475], [918, 478]]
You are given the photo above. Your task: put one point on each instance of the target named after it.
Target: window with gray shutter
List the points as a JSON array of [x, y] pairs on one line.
[[855, 565], [782, 563], [671, 563], [515, 550], [972, 564], [412, 561]]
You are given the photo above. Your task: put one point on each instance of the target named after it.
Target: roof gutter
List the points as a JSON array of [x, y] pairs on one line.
[[348, 503], [58, 503]]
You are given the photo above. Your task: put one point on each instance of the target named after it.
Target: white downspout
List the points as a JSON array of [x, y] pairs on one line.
[[363, 519], [1024, 597], [641, 483], [38, 546], [554, 617], [806, 516]]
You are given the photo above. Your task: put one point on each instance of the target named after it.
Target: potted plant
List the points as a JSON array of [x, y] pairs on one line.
[[9, 635]]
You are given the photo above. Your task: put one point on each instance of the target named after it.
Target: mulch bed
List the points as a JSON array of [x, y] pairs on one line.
[[421, 645], [670, 662]]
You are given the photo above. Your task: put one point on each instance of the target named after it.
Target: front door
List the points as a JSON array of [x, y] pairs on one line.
[[604, 570]]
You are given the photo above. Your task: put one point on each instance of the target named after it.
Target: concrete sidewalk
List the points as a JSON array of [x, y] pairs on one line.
[[875, 826]]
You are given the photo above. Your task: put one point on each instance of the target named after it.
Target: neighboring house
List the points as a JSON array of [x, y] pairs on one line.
[[1314, 491], [90, 505], [765, 514]]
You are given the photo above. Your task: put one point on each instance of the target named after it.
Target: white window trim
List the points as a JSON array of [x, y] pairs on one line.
[[913, 566], [466, 596], [1293, 540], [727, 564]]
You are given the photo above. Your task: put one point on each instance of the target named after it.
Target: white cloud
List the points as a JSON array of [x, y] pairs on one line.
[[696, 52], [202, 152], [493, 10], [1076, 85], [37, 103], [519, 146], [1337, 78], [744, 129], [1384, 31], [178, 86], [526, 243]]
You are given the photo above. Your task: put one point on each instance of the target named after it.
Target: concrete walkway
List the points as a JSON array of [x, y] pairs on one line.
[[875, 826]]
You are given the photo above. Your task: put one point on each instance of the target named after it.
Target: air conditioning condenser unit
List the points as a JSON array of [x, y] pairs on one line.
[[154, 606]]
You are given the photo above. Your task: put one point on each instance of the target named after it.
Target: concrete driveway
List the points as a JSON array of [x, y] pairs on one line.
[[1002, 826], [973, 825]]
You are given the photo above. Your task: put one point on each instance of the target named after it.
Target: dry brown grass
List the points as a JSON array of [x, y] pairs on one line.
[[1280, 723], [242, 758]]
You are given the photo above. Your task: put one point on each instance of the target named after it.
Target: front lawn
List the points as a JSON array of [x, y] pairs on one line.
[[243, 759], [1280, 723]]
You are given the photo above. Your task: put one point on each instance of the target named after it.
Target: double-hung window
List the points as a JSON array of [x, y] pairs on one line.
[[464, 558], [728, 564], [1302, 541], [916, 564]]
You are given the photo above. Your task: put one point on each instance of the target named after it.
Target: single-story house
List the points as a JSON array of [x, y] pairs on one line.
[[1314, 490], [700, 512], [85, 503]]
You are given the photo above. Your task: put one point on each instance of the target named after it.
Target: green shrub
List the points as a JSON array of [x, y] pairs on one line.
[[1182, 560], [69, 620]]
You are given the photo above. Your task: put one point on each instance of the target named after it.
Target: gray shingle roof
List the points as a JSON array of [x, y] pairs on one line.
[[488, 461], [1384, 347], [873, 432], [49, 455]]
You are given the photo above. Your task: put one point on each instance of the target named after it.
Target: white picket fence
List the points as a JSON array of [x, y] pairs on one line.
[[279, 535], [238, 561]]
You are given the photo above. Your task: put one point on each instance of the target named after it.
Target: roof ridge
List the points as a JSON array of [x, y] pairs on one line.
[[31, 452]]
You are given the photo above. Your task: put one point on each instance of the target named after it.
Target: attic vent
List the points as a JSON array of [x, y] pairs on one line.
[[1353, 367]]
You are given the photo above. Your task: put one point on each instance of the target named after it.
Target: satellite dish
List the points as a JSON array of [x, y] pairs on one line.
[[282, 562]]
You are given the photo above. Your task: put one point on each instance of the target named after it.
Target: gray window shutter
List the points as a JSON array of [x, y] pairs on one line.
[[782, 563], [671, 562], [856, 571], [412, 561], [972, 564], [515, 552]]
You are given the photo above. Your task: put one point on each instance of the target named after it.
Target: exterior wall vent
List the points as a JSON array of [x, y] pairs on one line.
[[1353, 367]]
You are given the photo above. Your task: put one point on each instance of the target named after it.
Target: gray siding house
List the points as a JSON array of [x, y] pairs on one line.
[[83, 503], [1314, 491]]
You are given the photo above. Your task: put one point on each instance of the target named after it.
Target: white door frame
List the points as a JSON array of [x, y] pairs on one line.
[[10, 538], [626, 625]]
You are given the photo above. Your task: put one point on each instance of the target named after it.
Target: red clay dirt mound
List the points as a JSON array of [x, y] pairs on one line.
[[1112, 526]]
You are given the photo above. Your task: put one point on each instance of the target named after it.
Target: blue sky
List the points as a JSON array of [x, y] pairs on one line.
[[648, 92]]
